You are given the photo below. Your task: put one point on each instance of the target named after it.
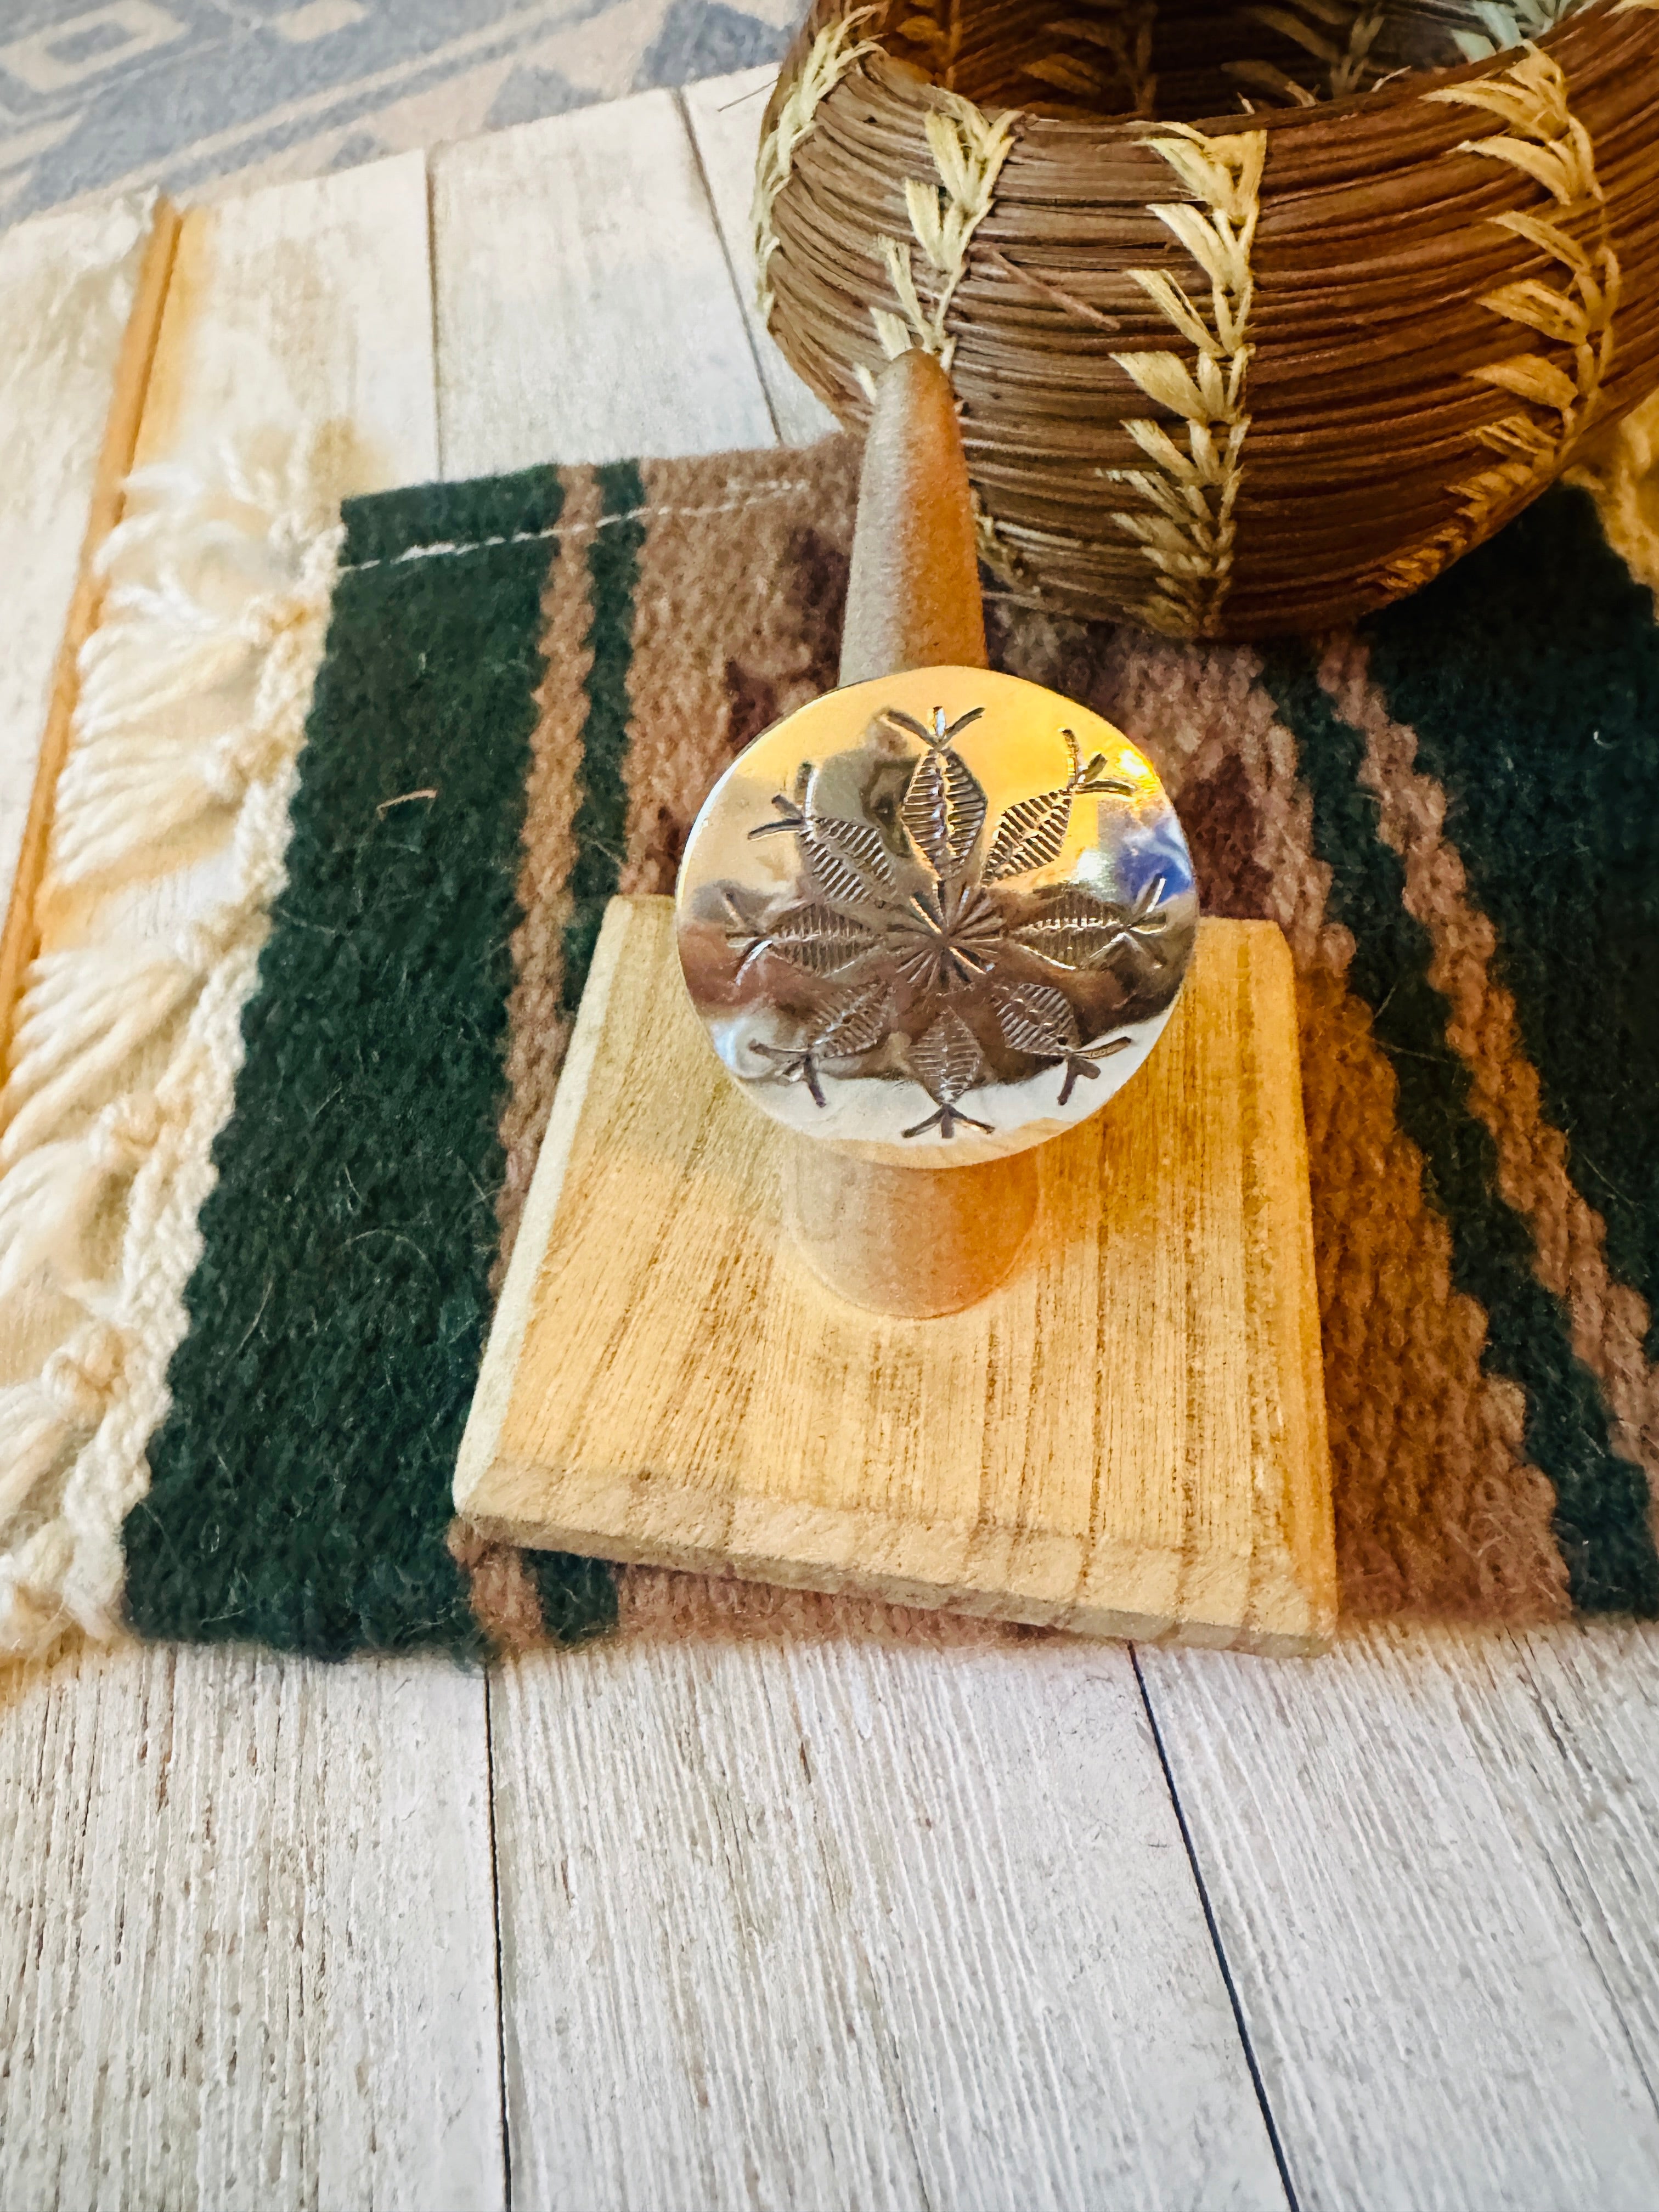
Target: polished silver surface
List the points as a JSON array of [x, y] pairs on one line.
[[936, 918]]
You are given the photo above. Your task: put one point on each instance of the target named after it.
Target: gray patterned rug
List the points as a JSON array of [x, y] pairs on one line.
[[193, 94]]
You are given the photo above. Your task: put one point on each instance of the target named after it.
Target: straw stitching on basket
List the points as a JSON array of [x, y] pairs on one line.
[[1409, 333], [834, 51], [968, 150], [1188, 537], [1574, 313]]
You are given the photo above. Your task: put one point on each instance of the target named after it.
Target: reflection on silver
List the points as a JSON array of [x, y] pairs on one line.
[[936, 917]]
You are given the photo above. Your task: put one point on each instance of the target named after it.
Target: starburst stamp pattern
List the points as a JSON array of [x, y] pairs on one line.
[[986, 961]]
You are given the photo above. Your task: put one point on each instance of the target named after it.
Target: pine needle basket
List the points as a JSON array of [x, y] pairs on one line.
[[1257, 317]]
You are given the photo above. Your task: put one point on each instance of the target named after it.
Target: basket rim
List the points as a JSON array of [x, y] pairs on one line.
[[906, 80]]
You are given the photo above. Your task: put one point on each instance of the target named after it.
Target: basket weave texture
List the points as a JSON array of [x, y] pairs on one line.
[[1234, 357]]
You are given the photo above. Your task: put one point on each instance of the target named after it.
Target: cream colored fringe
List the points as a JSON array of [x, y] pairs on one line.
[[194, 692]]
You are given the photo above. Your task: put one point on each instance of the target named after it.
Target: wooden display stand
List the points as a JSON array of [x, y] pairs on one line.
[[1079, 1385], [1126, 1438]]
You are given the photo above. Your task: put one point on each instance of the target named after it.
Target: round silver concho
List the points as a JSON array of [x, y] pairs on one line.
[[937, 918]]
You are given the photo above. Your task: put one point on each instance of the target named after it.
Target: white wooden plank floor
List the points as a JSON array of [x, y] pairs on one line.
[[69, 284], [245, 1952], [1383, 1837], [585, 309], [855, 1924], [830, 2042], [832, 1921], [246, 1956], [724, 116]]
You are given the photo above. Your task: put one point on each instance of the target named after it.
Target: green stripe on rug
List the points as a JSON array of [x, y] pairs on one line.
[[601, 827], [393, 523], [1601, 1501], [301, 1485], [1531, 676]]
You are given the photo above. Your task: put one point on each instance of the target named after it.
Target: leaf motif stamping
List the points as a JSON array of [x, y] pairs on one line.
[[925, 918], [935, 917]]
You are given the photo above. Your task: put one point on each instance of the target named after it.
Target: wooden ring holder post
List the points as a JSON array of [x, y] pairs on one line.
[[901, 1240], [1078, 1386]]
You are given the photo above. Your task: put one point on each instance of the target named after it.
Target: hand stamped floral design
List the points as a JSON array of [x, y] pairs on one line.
[[919, 941]]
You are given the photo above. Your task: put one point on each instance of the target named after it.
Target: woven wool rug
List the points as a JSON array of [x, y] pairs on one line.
[[263, 1166]]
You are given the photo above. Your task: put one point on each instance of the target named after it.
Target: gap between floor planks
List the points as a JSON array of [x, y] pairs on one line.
[[1332, 1917], [1429, 1862], [787, 1978], [248, 1955], [244, 1852], [1539, 1746]]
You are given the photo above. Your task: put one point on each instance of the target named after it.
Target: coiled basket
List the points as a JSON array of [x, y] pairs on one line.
[[1257, 317]]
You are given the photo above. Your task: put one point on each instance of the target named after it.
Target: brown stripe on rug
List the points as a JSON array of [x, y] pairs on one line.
[[742, 577], [1437, 1508], [504, 1597], [1609, 1319], [538, 1029], [504, 1602]]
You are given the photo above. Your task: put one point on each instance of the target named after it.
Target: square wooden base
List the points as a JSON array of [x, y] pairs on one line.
[[1127, 1438]]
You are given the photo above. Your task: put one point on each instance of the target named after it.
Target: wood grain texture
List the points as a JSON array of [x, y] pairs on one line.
[[305, 304], [903, 1240], [246, 1941], [1593, 1805], [1431, 1864], [208, 1876], [80, 302], [856, 1921], [584, 307], [613, 1773], [724, 114], [1126, 1437]]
